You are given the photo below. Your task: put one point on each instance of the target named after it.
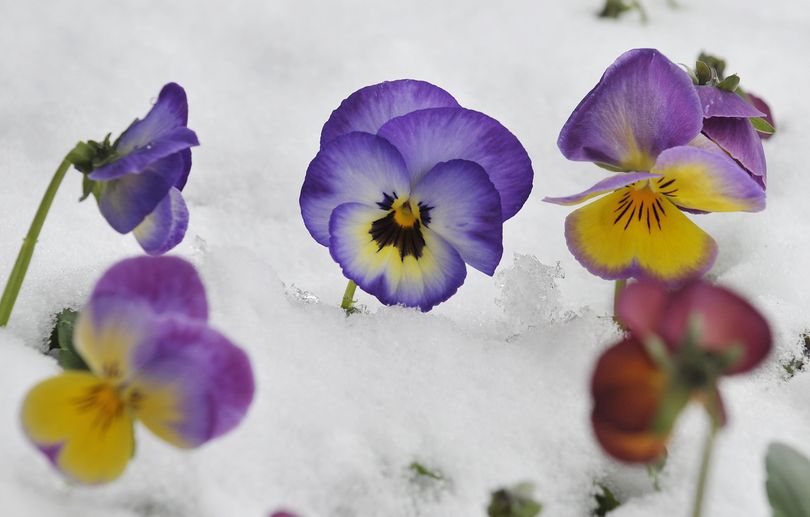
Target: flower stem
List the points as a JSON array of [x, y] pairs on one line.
[[617, 294], [348, 297], [17, 275], [700, 491]]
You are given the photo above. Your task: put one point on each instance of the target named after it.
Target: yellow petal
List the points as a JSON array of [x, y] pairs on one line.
[[82, 424], [638, 233]]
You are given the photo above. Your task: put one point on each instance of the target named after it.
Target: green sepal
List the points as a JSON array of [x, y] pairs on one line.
[[90, 155], [62, 340], [730, 83], [516, 501], [654, 469], [788, 481], [715, 63], [703, 72], [611, 168], [674, 400], [762, 125]]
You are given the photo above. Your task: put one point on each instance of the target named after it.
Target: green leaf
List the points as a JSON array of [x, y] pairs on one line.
[[788, 482], [514, 502], [421, 470], [762, 125], [62, 340], [730, 83], [606, 502]]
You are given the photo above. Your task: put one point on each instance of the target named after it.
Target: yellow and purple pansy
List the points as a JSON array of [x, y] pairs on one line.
[[644, 120], [139, 188], [152, 357], [408, 186]]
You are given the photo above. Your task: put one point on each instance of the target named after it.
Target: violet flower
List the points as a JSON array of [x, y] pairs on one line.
[[644, 119], [408, 186], [152, 357], [136, 180], [139, 184]]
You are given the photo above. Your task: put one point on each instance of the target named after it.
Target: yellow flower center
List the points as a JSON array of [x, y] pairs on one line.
[[105, 401]]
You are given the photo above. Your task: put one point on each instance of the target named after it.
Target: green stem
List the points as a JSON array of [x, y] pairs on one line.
[[348, 297], [617, 294], [17, 275], [700, 492]]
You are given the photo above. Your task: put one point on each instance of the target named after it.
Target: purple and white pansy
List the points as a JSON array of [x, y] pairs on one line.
[[139, 188], [408, 186]]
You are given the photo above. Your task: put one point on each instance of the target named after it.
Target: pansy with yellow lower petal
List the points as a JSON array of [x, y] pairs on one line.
[[152, 357], [644, 118]]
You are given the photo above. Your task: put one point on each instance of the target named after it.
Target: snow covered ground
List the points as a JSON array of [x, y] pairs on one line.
[[490, 388]]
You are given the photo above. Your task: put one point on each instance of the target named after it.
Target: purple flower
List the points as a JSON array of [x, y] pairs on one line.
[[408, 187], [726, 122], [644, 119], [138, 186], [152, 357]]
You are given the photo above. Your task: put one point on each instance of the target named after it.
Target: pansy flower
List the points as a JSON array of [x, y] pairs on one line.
[[408, 187], [139, 181], [679, 346], [153, 357], [644, 120]]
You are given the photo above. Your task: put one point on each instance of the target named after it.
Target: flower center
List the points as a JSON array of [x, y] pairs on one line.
[[401, 227], [640, 204], [104, 400]]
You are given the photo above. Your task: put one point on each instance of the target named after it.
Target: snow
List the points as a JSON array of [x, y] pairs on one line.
[[490, 388]]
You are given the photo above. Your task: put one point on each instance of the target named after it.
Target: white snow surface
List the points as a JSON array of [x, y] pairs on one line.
[[492, 387]]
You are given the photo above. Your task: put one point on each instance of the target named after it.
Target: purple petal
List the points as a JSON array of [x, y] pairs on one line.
[[721, 103], [357, 167], [643, 104], [697, 179], [726, 320], [193, 385], [428, 137], [174, 141], [168, 285], [169, 112], [369, 108], [458, 202], [606, 185], [126, 201], [421, 282], [165, 227], [739, 139], [185, 155]]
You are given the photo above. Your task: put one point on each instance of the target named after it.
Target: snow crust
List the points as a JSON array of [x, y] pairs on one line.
[[492, 387]]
